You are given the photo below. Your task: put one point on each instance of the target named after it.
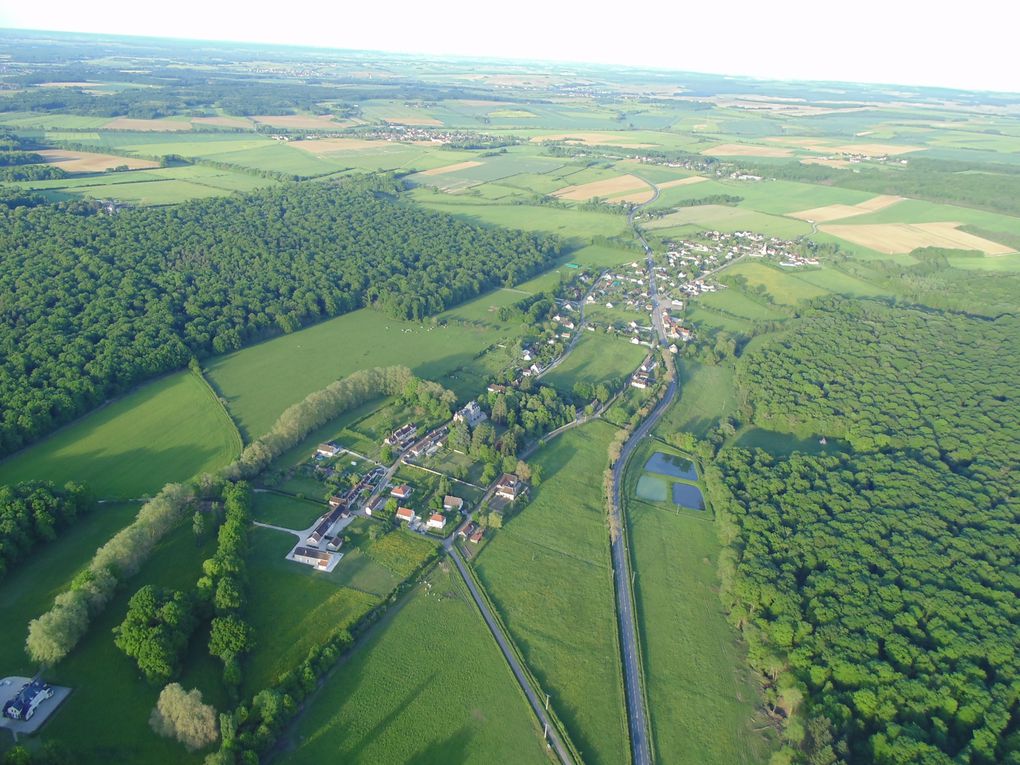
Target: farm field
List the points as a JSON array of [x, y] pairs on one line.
[[892, 238], [701, 697], [597, 358], [167, 430], [431, 659], [734, 301], [724, 218], [548, 572], [88, 162], [707, 393]]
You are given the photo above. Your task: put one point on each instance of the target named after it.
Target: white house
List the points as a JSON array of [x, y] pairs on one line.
[[437, 521]]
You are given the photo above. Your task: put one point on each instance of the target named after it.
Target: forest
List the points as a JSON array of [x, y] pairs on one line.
[[877, 589], [99, 301], [35, 512]]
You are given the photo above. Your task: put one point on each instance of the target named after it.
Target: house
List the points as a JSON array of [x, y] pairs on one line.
[[327, 450], [405, 514], [472, 414], [403, 436], [401, 492], [467, 530], [28, 699], [437, 521], [640, 380], [477, 536], [452, 503], [335, 543], [509, 487], [319, 559], [496, 388]]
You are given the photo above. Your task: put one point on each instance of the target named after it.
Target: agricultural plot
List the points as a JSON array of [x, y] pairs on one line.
[[708, 393], [838, 212], [168, 430], [597, 358], [892, 238], [89, 162], [782, 284], [468, 174], [735, 302], [428, 685], [548, 572], [746, 150], [609, 187], [701, 697], [724, 218]]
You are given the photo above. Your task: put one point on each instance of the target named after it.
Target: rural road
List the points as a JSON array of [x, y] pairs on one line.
[[504, 645], [637, 714]]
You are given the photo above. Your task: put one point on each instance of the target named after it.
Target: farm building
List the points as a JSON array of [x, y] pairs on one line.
[[318, 559], [437, 521]]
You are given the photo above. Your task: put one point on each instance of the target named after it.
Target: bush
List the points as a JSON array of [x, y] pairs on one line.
[[181, 715]]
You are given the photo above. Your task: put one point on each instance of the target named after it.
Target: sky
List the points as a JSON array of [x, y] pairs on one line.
[[909, 42]]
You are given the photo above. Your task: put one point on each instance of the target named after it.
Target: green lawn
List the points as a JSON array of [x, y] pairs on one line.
[[706, 393], [292, 608], [701, 695], [429, 686], [168, 430], [549, 574], [598, 357], [289, 512]]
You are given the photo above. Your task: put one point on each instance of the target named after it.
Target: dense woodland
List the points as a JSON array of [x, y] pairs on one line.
[[33, 513], [98, 302], [878, 589]]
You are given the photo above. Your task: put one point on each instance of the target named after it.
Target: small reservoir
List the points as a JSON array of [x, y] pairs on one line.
[[671, 465], [689, 496]]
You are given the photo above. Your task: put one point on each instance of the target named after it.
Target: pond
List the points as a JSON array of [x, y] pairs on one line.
[[671, 465], [686, 495], [652, 489]]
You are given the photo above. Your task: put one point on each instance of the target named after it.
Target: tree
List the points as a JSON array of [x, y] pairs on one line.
[[155, 631], [460, 436], [230, 636], [181, 715]]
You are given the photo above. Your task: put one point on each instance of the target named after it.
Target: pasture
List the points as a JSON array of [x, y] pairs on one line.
[[167, 430], [597, 358], [548, 573], [707, 393], [428, 685], [702, 698], [782, 284], [736, 302]]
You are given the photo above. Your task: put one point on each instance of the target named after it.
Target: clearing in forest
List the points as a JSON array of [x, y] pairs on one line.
[[837, 212], [894, 238], [621, 184], [89, 162]]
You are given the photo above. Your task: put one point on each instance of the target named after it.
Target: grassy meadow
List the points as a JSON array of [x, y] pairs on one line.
[[597, 358], [167, 430], [428, 685], [548, 572]]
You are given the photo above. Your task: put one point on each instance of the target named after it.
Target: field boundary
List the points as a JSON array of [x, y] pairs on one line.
[[234, 429]]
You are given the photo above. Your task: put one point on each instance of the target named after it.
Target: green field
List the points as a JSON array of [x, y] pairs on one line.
[[292, 608], [783, 285], [598, 357], [106, 717], [739, 304], [701, 697], [549, 574], [706, 393], [261, 381], [723, 218], [168, 430], [288, 512], [428, 686]]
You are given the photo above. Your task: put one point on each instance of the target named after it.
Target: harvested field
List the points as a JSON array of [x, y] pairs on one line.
[[681, 182], [839, 164], [636, 197], [126, 123], [838, 212], [621, 184], [331, 145], [451, 168], [746, 150], [88, 162], [231, 122], [891, 149], [895, 238], [420, 121], [299, 121], [591, 139]]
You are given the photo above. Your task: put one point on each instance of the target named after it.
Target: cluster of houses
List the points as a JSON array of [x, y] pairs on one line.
[[403, 436], [430, 444], [645, 376]]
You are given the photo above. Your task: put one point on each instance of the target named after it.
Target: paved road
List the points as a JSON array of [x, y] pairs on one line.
[[504, 645], [637, 714]]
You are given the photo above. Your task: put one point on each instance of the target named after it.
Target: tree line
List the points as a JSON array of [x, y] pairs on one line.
[[99, 302], [35, 512]]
